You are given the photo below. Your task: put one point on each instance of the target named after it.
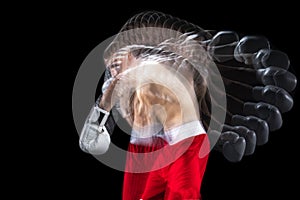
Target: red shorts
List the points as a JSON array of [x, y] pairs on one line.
[[180, 179]]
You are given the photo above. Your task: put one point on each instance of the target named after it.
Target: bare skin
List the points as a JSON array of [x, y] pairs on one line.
[[155, 103]]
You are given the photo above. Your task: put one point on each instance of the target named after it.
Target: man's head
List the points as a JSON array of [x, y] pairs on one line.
[[161, 82]]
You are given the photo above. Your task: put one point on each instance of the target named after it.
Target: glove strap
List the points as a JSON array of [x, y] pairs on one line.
[[104, 115]]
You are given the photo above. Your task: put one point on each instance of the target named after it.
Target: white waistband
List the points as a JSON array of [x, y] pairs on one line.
[[172, 136], [184, 131]]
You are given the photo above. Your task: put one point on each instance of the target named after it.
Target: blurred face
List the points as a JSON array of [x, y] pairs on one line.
[[121, 63]]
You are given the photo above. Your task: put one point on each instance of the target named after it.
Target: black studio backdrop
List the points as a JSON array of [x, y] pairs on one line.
[[267, 173]]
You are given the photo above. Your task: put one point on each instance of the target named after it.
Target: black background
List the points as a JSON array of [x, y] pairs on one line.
[[270, 171]]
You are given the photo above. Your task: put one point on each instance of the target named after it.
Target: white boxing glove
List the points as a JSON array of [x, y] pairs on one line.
[[94, 138]]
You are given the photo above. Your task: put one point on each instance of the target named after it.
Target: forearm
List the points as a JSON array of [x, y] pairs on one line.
[[105, 101]]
